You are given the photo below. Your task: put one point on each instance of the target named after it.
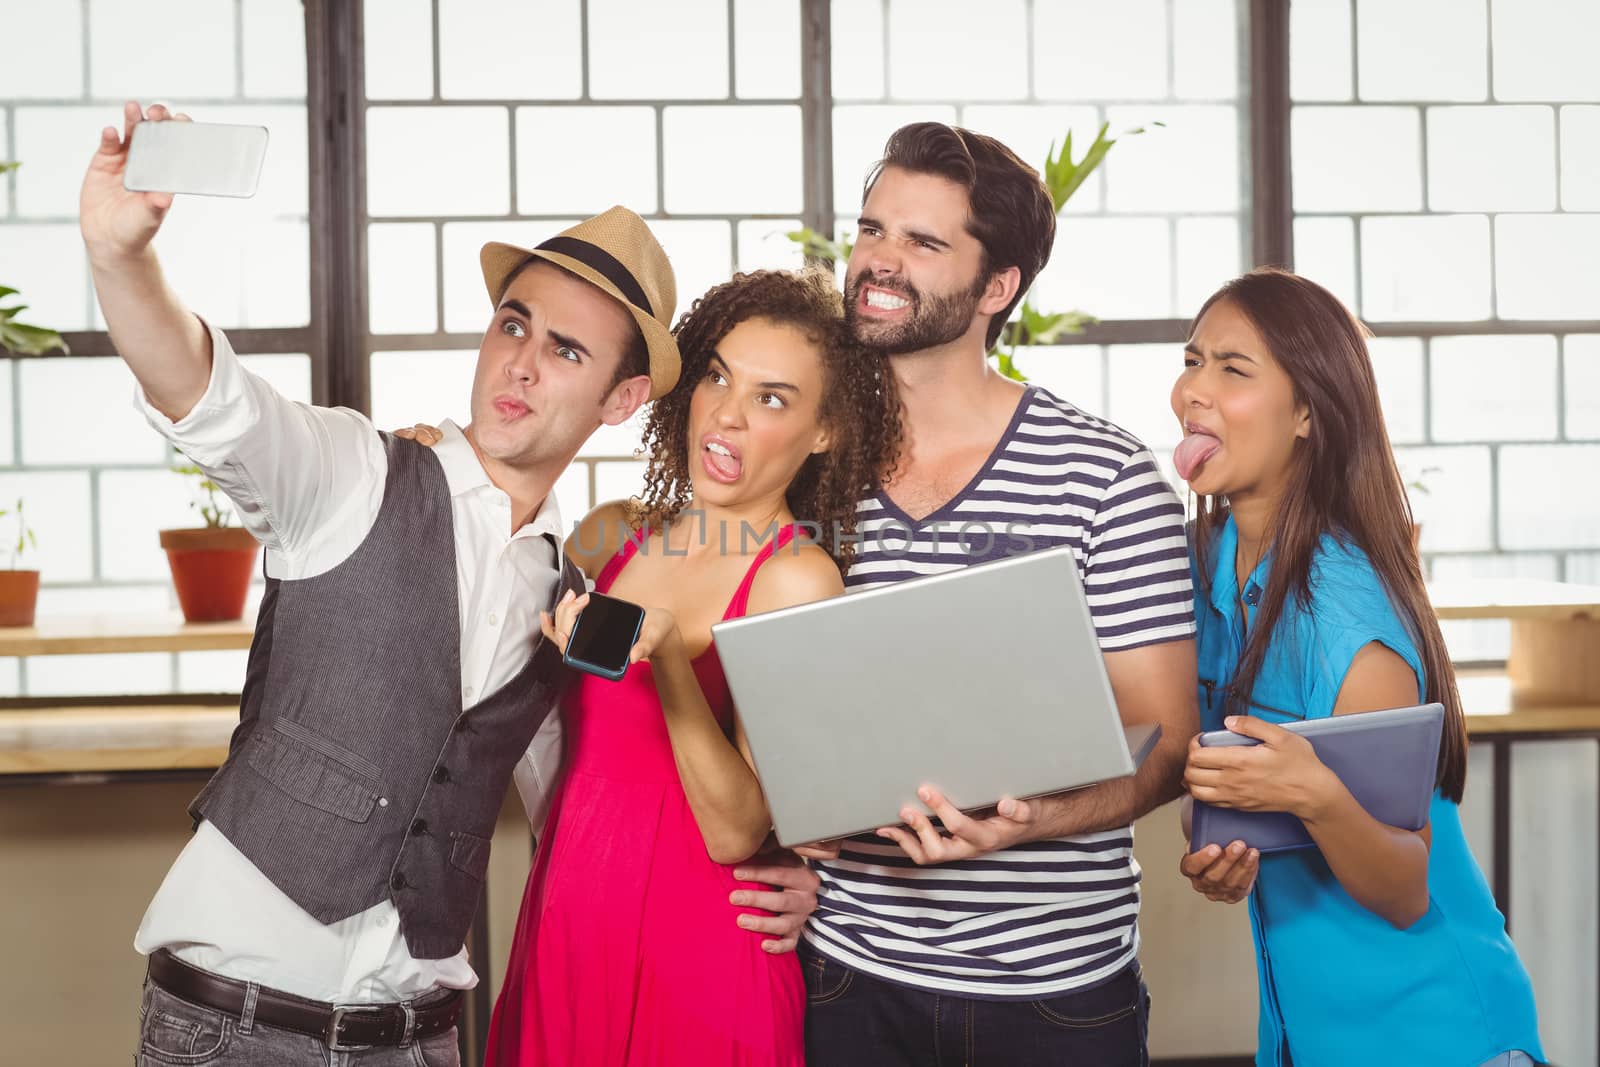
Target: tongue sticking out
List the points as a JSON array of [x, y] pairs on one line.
[[727, 466], [1192, 452]]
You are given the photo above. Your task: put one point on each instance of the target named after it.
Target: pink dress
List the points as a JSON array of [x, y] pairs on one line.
[[627, 950]]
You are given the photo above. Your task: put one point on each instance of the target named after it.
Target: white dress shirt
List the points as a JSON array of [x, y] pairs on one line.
[[308, 483]]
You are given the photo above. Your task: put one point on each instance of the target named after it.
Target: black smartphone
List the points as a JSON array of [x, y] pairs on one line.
[[606, 631]]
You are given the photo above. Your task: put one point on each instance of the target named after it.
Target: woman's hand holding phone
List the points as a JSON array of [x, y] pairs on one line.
[[614, 636]]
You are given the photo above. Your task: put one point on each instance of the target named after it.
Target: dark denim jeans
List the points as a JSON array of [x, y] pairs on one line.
[[854, 1019], [175, 1032]]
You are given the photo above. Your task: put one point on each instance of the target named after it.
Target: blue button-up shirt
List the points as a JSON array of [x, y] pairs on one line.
[[1339, 984]]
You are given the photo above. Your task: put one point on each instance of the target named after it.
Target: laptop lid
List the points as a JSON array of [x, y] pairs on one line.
[[985, 681]]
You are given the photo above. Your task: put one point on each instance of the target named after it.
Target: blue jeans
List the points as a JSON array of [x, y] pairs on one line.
[[855, 1019], [175, 1033]]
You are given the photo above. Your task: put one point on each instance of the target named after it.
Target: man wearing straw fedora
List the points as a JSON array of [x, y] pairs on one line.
[[398, 680]]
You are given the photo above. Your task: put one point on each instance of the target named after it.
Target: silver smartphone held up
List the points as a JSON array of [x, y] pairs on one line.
[[204, 158]]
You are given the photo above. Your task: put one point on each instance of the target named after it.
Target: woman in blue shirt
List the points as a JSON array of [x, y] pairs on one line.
[[1381, 945]]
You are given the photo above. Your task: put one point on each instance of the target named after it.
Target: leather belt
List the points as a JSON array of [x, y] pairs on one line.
[[341, 1027]]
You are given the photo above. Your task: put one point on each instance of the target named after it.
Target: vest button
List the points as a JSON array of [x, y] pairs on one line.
[[441, 775], [419, 827], [398, 882], [461, 725]]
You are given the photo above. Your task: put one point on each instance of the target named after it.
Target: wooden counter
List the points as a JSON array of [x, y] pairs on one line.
[[75, 635]]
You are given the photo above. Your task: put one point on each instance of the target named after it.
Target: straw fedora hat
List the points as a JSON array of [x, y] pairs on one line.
[[615, 252]]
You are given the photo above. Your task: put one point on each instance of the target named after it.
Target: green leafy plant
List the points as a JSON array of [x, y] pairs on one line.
[[19, 338], [1418, 482], [1063, 176], [207, 496], [25, 538]]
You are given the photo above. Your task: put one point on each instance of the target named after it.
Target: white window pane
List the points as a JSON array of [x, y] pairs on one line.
[[1419, 268], [103, 385], [188, 49], [1541, 502], [1583, 568], [274, 33], [1199, 142], [1208, 255], [289, 373], [212, 672], [701, 253], [135, 506], [1544, 50], [764, 245], [1141, 379], [859, 134], [5, 182], [1422, 49], [54, 145], [1356, 158], [1397, 365], [46, 262], [643, 50], [464, 171], [856, 47], [402, 277], [767, 48], [1456, 514], [120, 674], [1494, 388], [1582, 358], [930, 59], [618, 481], [572, 494], [1032, 131], [57, 506], [1090, 50], [1325, 252], [467, 307], [732, 159], [7, 427], [1521, 142], [1319, 50], [1547, 266], [235, 267], [1205, 39], [1074, 373], [413, 387], [51, 63], [1111, 268], [397, 49], [618, 165], [1580, 158], [503, 49]]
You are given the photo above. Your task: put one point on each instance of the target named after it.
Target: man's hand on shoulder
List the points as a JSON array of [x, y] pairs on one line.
[[422, 434]]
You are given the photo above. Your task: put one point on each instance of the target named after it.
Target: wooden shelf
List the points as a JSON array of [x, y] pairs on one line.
[[1493, 707], [115, 738], [73, 635], [1514, 598]]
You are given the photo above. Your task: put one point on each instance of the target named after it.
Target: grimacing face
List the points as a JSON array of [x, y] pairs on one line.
[[544, 372], [914, 278], [1237, 407], [755, 417]]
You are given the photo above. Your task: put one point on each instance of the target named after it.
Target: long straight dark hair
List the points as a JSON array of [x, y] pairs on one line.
[[1342, 481]]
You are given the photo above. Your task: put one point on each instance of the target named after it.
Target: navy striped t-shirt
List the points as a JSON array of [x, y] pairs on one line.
[[1048, 916]]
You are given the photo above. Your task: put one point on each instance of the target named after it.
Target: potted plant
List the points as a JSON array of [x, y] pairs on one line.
[[19, 589], [211, 564], [20, 339]]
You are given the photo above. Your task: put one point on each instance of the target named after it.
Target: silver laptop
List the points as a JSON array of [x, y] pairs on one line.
[[985, 682]]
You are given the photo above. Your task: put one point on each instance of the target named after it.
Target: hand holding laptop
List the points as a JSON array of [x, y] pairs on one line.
[[966, 837]]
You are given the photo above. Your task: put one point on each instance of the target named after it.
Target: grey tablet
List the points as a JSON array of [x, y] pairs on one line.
[[985, 681], [1387, 759]]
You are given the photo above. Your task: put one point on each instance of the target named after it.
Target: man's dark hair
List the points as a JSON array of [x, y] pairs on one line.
[[1009, 209]]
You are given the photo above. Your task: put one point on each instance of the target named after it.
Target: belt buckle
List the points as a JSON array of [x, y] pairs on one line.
[[330, 1034]]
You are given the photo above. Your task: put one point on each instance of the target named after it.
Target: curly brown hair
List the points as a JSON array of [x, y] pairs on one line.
[[860, 406]]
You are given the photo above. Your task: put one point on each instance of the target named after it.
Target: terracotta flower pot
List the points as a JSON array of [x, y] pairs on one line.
[[19, 595], [211, 569]]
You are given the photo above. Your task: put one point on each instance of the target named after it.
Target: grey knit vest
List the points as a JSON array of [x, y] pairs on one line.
[[353, 774]]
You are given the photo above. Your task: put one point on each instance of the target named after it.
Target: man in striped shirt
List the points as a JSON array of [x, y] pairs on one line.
[[1012, 938]]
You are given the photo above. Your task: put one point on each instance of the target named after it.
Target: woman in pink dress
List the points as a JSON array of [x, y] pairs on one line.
[[625, 952]]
